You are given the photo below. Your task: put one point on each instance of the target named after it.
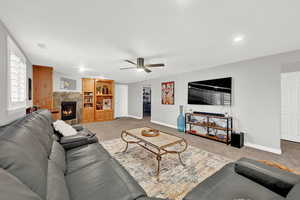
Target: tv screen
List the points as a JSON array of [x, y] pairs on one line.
[[210, 92]]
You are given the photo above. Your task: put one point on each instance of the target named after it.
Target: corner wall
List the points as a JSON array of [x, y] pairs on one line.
[[256, 98], [5, 115]]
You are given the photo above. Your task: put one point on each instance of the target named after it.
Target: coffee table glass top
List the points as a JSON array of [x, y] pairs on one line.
[[161, 141]]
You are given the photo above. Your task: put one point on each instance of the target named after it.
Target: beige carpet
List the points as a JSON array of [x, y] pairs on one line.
[[174, 180], [290, 156]]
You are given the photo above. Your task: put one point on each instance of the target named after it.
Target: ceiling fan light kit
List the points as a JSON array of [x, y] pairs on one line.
[[140, 65]]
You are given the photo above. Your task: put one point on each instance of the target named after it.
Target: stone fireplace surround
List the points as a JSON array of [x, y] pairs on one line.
[[59, 97]]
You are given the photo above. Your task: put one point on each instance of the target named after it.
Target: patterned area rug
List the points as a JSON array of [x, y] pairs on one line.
[[174, 180]]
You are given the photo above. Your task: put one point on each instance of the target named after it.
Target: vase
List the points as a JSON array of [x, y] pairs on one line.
[[180, 120]]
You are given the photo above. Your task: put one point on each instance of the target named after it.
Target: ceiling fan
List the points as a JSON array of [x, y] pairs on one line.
[[140, 66]]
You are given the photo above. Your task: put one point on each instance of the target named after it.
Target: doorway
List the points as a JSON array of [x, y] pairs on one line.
[[147, 103], [290, 106]]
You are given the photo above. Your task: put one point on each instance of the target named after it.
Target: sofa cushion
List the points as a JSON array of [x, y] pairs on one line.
[[83, 156], [56, 184], [24, 157], [13, 189], [277, 180], [41, 128], [294, 194], [58, 156], [227, 185], [103, 180]]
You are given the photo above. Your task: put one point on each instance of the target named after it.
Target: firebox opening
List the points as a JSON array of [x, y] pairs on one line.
[[68, 110]]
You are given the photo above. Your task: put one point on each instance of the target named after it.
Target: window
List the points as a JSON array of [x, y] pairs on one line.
[[16, 76]]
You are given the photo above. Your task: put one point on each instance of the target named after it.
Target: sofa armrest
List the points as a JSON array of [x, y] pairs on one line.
[[78, 127], [71, 142], [279, 181], [73, 138]]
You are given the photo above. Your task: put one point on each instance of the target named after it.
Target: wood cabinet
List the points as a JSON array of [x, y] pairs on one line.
[[98, 100], [42, 86], [88, 100], [88, 85]]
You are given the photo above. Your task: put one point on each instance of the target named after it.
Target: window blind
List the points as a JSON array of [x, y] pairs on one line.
[[16, 76]]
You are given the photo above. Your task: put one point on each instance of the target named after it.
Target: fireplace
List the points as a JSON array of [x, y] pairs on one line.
[[68, 110]]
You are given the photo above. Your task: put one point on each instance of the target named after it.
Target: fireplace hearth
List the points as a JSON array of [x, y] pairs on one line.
[[68, 110]]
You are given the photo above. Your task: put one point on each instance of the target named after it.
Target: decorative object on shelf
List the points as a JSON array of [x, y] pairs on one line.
[[150, 132], [167, 93], [106, 104], [221, 136], [99, 90], [212, 126], [105, 90], [99, 107], [180, 120], [67, 84]]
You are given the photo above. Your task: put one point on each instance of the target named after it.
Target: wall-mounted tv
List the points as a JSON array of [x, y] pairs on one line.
[[210, 92]]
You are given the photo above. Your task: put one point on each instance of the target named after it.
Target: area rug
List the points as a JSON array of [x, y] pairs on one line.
[[175, 181]]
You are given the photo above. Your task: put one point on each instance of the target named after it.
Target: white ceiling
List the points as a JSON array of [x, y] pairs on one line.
[[97, 35]]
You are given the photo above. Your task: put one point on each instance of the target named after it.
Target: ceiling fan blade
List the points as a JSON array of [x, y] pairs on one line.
[[155, 65], [122, 68], [146, 69], [129, 61]]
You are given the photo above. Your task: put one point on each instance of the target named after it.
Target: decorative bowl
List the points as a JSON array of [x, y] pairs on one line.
[[150, 133]]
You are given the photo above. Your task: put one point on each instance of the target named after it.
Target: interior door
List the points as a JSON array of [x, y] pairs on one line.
[[290, 106]]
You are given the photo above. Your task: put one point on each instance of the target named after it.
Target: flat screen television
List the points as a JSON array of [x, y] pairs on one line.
[[210, 92]]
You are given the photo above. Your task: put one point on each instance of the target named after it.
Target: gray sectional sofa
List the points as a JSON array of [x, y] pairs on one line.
[[34, 166]]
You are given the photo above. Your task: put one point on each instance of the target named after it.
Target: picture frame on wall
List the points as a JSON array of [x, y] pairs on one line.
[[168, 93], [67, 84]]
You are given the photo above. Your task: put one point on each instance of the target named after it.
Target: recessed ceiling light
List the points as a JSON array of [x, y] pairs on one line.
[[42, 45], [238, 39], [82, 69]]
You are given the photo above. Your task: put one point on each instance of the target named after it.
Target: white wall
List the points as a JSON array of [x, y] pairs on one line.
[[5, 115], [56, 82], [256, 98], [135, 100], [121, 100]]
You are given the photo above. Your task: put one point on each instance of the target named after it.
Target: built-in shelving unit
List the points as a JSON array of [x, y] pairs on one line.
[[98, 100], [218, 128], [88, 100]]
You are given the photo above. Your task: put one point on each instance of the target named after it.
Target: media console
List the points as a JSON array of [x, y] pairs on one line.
[[213, 126]]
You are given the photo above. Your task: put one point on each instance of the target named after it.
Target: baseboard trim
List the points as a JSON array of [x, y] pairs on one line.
[[135, 117], [163, 124], [264, 148]]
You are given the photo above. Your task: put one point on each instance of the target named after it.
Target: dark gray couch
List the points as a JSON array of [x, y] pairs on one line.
[[33, 166], [248, 180]]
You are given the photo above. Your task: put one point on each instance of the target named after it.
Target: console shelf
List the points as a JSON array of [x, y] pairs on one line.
[[212, 127]]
